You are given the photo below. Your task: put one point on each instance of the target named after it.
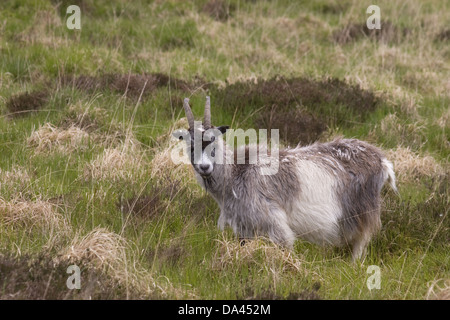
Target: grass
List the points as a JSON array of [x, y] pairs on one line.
[[86, 119]]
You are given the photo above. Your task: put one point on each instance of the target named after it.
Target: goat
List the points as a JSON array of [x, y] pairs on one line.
[[325, 193]]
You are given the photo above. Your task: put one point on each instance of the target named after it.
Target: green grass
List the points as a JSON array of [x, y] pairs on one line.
[[173, 246]]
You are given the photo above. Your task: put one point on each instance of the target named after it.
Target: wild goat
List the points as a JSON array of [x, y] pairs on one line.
[[326, 193]]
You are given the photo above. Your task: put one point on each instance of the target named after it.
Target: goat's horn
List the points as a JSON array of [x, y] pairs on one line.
[[189, 114], [207, 116]]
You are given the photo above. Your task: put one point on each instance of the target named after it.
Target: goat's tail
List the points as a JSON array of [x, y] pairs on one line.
[[388, 169]]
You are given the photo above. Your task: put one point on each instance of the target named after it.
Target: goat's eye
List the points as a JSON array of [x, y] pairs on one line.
[[213, 138], [213, 153]]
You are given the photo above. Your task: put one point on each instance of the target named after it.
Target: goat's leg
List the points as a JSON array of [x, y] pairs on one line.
[[221, 222], [282, 235], [360, 242], [359, 246]]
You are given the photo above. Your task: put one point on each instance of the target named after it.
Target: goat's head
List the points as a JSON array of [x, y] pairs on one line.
[[201, 140]]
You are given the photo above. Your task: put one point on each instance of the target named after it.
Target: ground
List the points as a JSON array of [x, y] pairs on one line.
[[86, 176]]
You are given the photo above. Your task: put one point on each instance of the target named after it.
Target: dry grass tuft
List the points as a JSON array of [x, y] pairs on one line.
[[42, 30], [439, 290], [167, 139], [124, 162], [163, 163], [40, 278], [168, 159], [100, 247], [16, 180], [107, 251], [49, 138], [409, 166], [266, 256], [93, 121], [22, 104], [83, 117], [38, 214]]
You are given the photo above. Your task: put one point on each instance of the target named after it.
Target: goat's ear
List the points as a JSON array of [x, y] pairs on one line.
[[223, 129], [181, 134]]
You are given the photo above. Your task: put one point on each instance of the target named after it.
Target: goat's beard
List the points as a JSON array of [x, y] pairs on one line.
[[208, 181]]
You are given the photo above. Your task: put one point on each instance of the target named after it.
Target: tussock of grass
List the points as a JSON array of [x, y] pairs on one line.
[[108, 251], [86, 118], [100, 247], [42, 30], [409, 166], [426, 221], [41, 278], [38, 214], [16, 180], [126, 161], [49, 138], [264, 265], [163, 163], [93, 121], [268, 257]]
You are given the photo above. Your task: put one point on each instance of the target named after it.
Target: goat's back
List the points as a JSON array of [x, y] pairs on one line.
[[353, 173]]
